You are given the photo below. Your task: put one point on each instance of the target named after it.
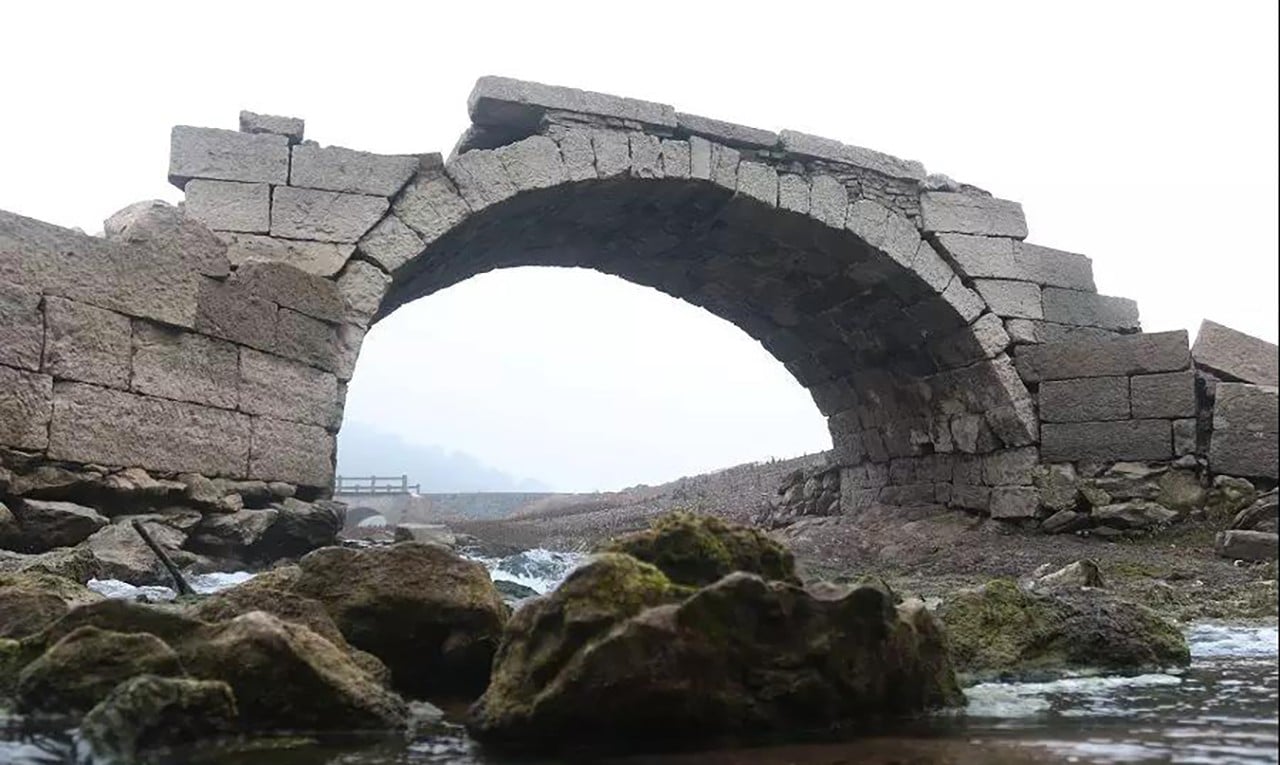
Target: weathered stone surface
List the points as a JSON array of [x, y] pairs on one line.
[[227, 155], [79, 670], [289, 127], [86, 343], [795, 142], [965, 301], [431, 205], [1246, 436], [1014, 502], [1185, 437], [232, 535], [1009, 467], [292, 452], [1262, 515], [319, 258], [948, 212], [172, 242], [1248, 545], [108, 427], [325, 216], [697, 550], [122, 554], [1021, 331], [1134, 514], [48, 524], [1169, 395], [481, 177], [287, 390], [148, 712], [724, 167], [1009, 298], [646, 156], [580, 158], [983, 257], [675, 161], [334, 168], [727, 133], [21, 327], [291, 287], [26, 404], [1065, 522], [391, 243], [758, 181], [228, 310], [171, 363], [32, 600], [1084, 400], [230, 206], [1235, 355], [1106, 441], [1145, 353], [303, 338], [362, 286], [613, 153], [507, 102], [1088, 309], [1054, 268]]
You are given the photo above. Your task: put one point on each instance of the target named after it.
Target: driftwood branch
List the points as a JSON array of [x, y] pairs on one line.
[[179, 582]]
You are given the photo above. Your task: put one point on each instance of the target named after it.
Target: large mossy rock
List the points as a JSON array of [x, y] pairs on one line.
[[696, 550], [1002, 630], [285, 676], [618, 656], [149, 712], [432, 617], [31, 601], [79, 670]]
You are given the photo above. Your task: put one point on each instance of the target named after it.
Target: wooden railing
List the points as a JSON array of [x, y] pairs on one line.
[[374, 484]]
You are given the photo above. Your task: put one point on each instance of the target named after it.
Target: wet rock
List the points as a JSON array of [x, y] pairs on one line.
[[164, 621], [1082, 573], [1002, 630], [123, 555], [49, 524], [150, 712], [431, 616], [616, 657], [285, 676], [75, 563], [1134, 514], [513, 592], [230, 535], [299, 528], [429, 533], [31, 601], [1262, 515], [1240, 544], [697, 550], [79, 670], [52, 481]]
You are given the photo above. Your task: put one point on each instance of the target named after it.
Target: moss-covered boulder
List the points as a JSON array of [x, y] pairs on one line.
[[148, 712], [169, 623], [696, 550], [79, 670], [30, 601], [618, 656], [285, 676], [1002, 630], [433, 617]]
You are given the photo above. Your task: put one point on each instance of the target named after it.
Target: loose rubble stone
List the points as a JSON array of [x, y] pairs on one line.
[[1235, 355], [46, 525], [149, 712], [1262, 515], [289, 127], [229, 206], [1134, 514], [82, 668], [1014, 502], [1248, 545]]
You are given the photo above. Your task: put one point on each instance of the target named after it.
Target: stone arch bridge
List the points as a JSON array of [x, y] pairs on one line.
[[950, 355]]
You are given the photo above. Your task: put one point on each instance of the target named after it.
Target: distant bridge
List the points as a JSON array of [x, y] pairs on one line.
[[374, 485]]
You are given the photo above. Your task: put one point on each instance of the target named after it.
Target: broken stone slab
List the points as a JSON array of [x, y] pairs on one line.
[[727, 133], [1236, 356], [26, 404], [1170, 395], [319, 258], [1134, 514], [1262, 515], [1145, 353], [49, 524], [502, 101], [1086, 399], [325, 216], [229, 205], [86, 343], [184, 366], [166, 234], [1065, 522], [227, 155], [1010, 298], [1239, 544], [109, 427], [1014, 502], [1088, 309], [334, 168], [291, 128], [1106, 441], [948, 212], [804, 144], [1246, 437]]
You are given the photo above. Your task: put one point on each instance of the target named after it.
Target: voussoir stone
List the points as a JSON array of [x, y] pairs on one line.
[[362, 286], [334, 168], [391, 244], [325, 216]]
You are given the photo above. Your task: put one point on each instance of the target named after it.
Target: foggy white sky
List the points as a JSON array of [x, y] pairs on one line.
[[1143, 134]]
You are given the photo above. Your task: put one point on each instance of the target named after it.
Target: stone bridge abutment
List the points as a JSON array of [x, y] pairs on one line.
[[951, 357]]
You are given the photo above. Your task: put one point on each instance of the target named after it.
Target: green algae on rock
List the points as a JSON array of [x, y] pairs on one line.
[[149, 712], [618, 655], [1003, 630], [79, 670], [31, 600], [696, 550]]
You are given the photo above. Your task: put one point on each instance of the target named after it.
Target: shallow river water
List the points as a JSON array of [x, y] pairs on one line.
[[1221, 709]]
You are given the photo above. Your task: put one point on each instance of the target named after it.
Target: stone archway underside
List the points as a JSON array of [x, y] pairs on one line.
[[898, 299]]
